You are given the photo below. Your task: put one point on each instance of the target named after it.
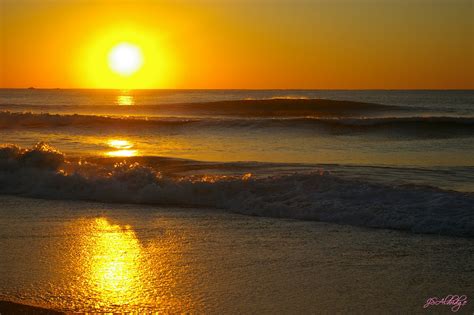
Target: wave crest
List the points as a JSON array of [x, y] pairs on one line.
[[42, 155], [407, 126], [43, 172]]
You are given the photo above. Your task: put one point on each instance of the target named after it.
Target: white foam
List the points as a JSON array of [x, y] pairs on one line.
[[43, 172]]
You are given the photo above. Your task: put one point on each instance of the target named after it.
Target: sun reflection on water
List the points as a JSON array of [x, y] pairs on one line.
[[116, 258], [123, 148], [125, 100], [120, 144], [120, 274], [122, 153]]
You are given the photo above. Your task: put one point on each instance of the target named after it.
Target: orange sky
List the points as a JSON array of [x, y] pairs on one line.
[[320, 44]]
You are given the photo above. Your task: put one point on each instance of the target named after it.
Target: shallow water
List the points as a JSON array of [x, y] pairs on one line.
[[79, 256]]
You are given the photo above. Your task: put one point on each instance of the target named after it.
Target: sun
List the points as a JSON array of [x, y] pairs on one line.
[[125, 59], [128, 57]]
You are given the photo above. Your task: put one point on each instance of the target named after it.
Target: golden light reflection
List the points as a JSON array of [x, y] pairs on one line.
[[116, 261], [122, 153], [123, 148], [120, 144], [125, 100], [118, 273]]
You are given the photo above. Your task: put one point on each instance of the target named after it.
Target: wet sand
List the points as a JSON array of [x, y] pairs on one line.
[[92, 257]]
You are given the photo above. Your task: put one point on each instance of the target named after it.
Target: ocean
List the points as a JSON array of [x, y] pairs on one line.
[[291, 178]]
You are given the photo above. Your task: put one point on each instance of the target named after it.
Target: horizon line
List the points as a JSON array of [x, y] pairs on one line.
[[241, 89]]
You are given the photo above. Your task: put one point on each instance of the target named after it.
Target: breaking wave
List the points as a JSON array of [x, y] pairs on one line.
[[44, 172], [415, 126]]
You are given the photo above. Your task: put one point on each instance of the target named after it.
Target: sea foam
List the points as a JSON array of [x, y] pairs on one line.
[[43, 172]]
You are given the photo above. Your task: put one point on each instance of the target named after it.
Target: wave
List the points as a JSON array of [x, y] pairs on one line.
[[272, 107], [414, 126], [44, 172], [10, 120]]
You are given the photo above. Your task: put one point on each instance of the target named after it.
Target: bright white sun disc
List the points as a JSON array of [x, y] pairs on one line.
[[125, 59]]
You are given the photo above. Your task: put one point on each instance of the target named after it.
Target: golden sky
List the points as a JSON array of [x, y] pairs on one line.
[[319, 44]]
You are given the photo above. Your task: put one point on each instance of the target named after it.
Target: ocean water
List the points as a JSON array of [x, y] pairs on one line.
[[236, 201], [386, 159]]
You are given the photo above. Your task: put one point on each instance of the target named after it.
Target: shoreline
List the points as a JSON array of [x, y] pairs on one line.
[[176, 261]]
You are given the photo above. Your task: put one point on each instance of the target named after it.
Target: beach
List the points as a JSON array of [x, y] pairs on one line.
[[236, 157], [172, 260]]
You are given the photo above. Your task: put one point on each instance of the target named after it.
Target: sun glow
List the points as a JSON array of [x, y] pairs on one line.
[[125, 59]]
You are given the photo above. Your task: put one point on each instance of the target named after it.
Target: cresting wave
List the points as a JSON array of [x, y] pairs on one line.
[[273, 107], [43, 172], [416, 126]]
